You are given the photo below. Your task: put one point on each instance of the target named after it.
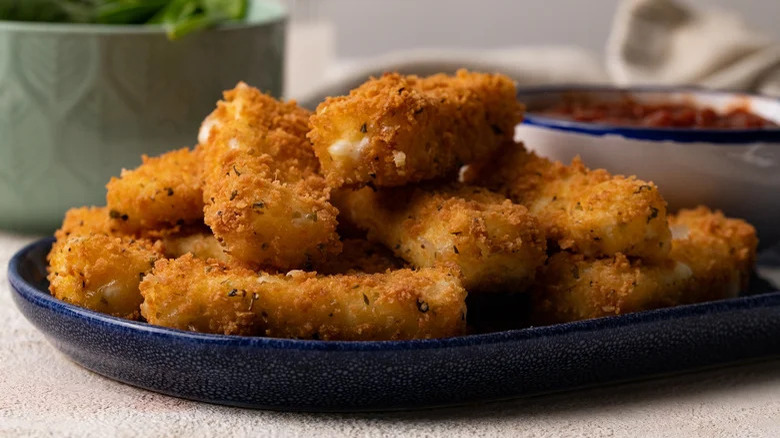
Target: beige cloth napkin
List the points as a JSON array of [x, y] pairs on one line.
[[666, 42]]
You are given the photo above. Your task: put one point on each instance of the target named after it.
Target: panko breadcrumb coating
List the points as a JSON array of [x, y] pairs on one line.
[[497, 245], [360, 255], [264, 222], [162, 192], [264, 201], [249, 120], [201, 244], [85, 221], [399, 129], [190, 294], [101, 272], [196, 239], [584, 211], [721, 251], [240, 237], [711, 258], [573, 287], [87, 263]]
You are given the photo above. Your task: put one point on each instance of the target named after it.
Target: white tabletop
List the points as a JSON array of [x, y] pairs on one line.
[[42, 393]]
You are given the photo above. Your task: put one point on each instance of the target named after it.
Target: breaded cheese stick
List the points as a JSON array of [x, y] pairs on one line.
[[197, 240], [720, 251], [261, 221], [256, 123], [711, 258], [190, 294], [399, 129], [584, 211], [85, 221], [496, 244], [101, 272], [573, 287], [264, 200], [162, 192]]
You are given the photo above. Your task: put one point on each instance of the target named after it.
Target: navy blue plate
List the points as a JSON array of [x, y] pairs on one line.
[[300, 375]]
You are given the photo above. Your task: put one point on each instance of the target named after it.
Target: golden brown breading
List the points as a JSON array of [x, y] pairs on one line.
[[190, 294], [258, 124], [720, 251], [496, 244], [85, 221], [573, 287], [360, 255], [261, 221], [711, 258], [163, 191], [585, 211], [264, 200], [101, 272], [399, 129], [201, 244], [200, 240]]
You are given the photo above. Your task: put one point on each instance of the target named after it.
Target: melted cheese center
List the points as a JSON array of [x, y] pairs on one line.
[[344, 149]]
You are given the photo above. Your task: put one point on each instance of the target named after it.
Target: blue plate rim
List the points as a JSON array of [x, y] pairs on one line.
[[43, 299], [681, 135]]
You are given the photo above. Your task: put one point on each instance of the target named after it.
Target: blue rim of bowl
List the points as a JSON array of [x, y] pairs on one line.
[[681, 135], [43, 299], [274, 13]]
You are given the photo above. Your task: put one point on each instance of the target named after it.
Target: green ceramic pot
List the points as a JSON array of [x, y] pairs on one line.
[[80, 102]]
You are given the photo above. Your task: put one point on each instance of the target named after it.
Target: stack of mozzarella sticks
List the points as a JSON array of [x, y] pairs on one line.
[[373, 219]]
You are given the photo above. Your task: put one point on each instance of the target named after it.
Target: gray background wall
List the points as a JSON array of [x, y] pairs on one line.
[[370, 27]]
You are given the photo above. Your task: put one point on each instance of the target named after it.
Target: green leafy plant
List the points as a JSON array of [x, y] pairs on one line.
[[179, 17]]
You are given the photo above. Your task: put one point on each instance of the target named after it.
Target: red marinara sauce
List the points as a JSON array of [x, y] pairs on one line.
[[629, 112]]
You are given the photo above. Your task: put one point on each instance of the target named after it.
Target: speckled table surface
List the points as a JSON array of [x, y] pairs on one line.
[[44, 394]]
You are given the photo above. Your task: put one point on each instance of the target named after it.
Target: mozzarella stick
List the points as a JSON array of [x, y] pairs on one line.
[[191, 294], [584, 211], [573, 287], [101, 272], [497, 245], [256, 123], [264, 200], [162, 192], [720, 251], [399, 129], [711, 258], [85, 221], [264, 222]]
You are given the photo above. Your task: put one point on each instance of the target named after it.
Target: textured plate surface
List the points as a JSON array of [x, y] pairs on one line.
[[357, 376]]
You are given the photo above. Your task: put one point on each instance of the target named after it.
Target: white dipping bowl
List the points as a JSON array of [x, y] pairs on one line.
[[733, 170]]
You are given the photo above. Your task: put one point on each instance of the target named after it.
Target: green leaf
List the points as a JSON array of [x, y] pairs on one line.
[[188, 26], [183, 17], [176, 10], [46, 10], [232, 9], [180, 17], [128, 11]]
